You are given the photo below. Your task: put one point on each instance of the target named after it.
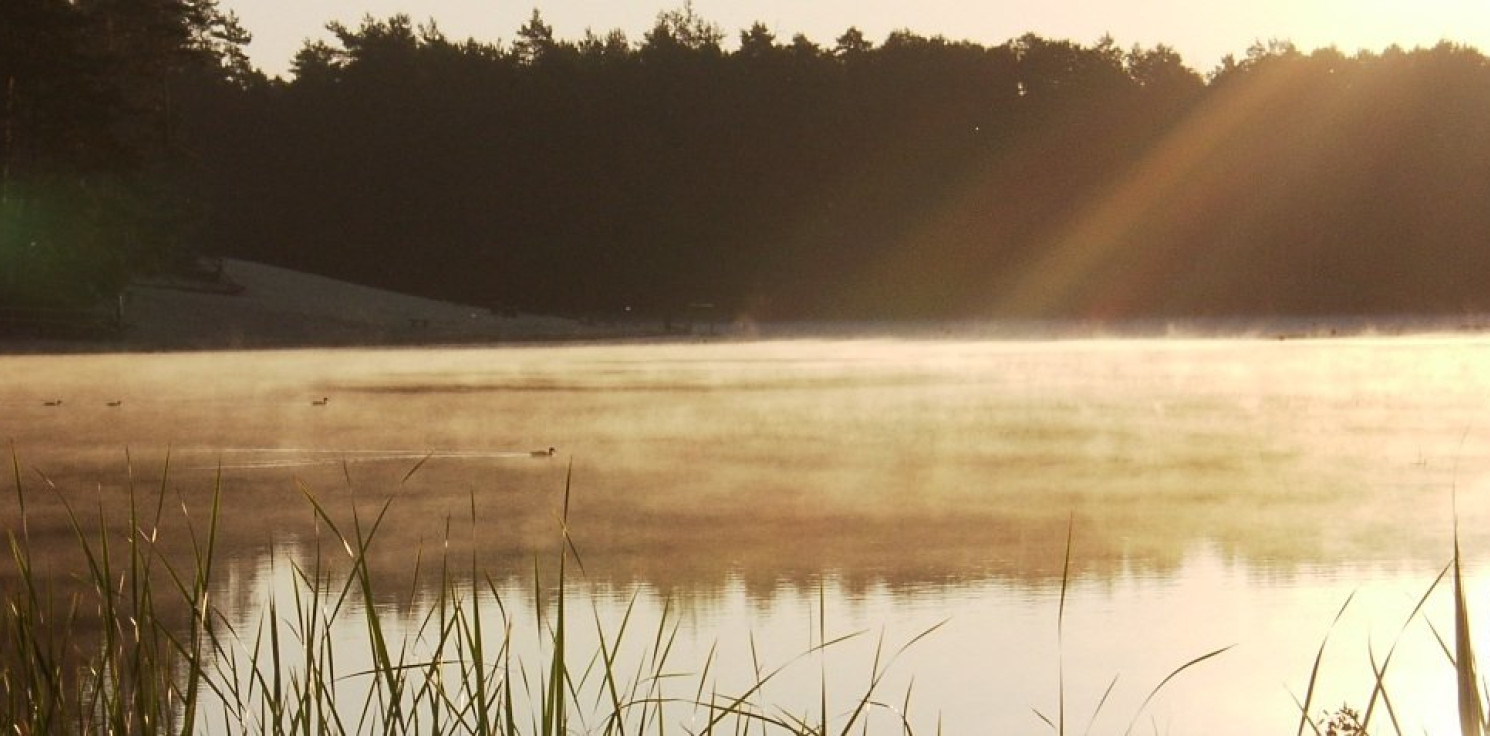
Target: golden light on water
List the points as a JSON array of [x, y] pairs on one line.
[[1223, 492]]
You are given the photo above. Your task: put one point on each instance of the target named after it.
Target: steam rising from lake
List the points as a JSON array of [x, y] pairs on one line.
[[904, 471]]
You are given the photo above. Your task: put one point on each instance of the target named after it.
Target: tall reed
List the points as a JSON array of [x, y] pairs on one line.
[[1469, 693], [1059, 724], [1471, 708], [147, 671], [114, 653], [138, 672]]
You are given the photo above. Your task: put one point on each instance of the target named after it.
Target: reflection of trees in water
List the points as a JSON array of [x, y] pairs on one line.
[[776, 538], [930, 463], [904, 463]]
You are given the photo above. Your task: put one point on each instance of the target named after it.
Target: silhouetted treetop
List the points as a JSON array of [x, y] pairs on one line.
[[682, 28], [909, 176], [536, 44], [851, 42]]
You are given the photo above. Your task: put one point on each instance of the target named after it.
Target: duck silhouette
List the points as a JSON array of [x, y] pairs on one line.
[[115, 403], [53, 402], [543, 453], [320, 402]]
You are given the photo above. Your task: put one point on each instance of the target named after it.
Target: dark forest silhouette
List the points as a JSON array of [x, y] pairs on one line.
[[908, 177]]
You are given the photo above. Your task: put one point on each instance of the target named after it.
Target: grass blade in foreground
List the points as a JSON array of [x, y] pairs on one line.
[[1378, 691], [1304, 719], [1166, 680], [1471, 709], [1060, 627]]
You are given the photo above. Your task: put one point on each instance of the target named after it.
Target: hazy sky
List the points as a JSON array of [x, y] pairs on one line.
[[1201, 31]]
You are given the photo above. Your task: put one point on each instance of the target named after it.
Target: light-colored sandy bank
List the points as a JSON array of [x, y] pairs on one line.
[[254, 305]]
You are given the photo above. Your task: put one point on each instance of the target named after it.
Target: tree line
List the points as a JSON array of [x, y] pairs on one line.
[[94, 166], [910, 176]]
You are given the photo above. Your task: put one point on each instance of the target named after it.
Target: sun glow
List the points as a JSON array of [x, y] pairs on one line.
[[1202, 32], [1090, 261]]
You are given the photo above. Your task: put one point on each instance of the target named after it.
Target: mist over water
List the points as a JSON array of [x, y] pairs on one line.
[[1221, 491]]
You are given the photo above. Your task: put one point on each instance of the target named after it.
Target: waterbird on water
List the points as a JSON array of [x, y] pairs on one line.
[[115, 403], [543, 453], [53, 402], [320, 402]]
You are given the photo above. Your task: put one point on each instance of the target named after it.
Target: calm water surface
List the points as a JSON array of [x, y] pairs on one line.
[[1219, 492]]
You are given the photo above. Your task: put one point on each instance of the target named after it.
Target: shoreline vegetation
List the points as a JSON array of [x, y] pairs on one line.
[[138, 645]]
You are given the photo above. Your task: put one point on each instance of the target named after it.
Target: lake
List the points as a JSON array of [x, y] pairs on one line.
[[1217, 492]]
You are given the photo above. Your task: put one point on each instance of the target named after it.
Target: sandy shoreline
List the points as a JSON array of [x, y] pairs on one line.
[[260, 306]]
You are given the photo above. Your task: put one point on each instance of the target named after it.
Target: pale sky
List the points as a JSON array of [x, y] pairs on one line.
[[1201, 31]]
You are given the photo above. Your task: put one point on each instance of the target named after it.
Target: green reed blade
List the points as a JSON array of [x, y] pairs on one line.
[[1378, 689], [1380, 674], [879, 672], [1314, 671], [1060, 628], [822, 635], [415, 469], [1471, 709], [506, 687], [733, 708], [875, 674], [1169, 677], [1100, 702], [905, 709], [698, 695], [15, 470], [608, 654]]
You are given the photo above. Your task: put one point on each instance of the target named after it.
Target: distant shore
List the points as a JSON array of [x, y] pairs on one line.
[[251, 306], [256, 306]]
